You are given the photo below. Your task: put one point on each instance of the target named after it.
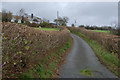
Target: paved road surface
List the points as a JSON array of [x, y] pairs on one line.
[[82, 57]]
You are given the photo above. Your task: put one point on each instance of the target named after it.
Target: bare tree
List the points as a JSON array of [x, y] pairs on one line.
[[114, 24], [73, 25], [9, 16], [114, 30], [6, 16], [61, 21], [21, 12], [65, 19]]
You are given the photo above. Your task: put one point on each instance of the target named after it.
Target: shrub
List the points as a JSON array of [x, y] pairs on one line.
[[32, 24], [45, 24]]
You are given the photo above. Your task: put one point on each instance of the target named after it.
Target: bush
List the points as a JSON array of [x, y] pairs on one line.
[[32, 24], [6, 16], [45, 24], [115, 31]]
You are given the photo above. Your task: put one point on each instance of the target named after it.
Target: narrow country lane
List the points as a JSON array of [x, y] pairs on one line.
[[82, 58]]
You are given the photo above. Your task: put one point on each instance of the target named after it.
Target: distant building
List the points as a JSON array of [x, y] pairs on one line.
[[29, 17]]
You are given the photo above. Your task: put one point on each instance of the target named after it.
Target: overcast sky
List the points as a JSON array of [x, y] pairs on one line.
[[85, 13]]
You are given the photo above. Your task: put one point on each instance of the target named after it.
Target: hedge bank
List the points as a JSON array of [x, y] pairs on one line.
[[25, 47], [108, 41], [108, 56]]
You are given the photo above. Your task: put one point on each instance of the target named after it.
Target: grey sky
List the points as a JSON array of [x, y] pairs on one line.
[[87, 13]]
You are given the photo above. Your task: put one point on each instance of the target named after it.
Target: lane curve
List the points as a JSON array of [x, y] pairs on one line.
[[82, 58]]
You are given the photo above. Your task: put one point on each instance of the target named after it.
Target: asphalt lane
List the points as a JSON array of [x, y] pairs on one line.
[[81, 61]]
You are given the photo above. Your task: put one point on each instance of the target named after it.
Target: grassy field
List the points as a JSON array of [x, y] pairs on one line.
[[107, 58], [49, 29], [105, 31]]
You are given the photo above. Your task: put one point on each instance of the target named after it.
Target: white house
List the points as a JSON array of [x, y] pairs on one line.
[[29, 18]]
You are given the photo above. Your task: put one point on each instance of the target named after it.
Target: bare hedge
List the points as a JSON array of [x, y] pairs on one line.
[[109, 41], [24, 47]]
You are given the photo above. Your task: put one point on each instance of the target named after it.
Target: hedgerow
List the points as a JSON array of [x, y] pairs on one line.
[[24, 48], [108, 41]]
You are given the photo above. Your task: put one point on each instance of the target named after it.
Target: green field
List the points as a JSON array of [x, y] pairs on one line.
[[49, 29], [105, 31]]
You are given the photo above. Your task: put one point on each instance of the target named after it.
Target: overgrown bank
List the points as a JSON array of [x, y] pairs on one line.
[[49, 68], [105, 56], [29, 52]]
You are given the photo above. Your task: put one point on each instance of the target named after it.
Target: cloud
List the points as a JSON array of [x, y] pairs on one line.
[[60, 0], [92, 13]]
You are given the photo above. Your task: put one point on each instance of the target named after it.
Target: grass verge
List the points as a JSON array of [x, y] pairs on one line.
[[111, 61], [48, 68], [49, 29]]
